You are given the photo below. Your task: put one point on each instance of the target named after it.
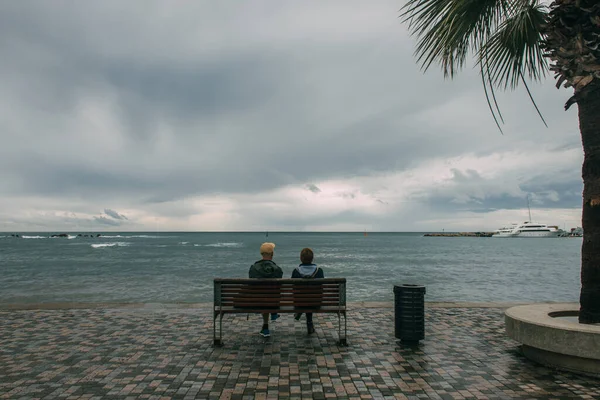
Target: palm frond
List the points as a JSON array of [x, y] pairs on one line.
[[515, 48], [448, 29], [485, 82], [504, 35], [533, 101]]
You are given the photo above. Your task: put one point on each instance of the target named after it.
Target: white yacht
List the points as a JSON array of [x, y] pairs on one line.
[[528, 229]]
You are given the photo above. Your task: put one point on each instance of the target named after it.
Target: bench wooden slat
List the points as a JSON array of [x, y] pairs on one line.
[[271, 304], [280, 289], [283, 296], [258, 310], [301, 284], [244, 300], [243, 281]]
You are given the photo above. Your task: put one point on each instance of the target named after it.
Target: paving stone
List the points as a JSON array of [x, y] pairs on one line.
[[167, 353]]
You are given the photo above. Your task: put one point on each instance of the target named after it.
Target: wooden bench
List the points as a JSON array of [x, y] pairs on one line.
[[326, 295]]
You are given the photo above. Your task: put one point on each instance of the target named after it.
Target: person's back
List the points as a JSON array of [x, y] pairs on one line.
[[307, 270], [266, 268]]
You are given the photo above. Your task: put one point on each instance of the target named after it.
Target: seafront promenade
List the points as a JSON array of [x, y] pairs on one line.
[[157, 351]]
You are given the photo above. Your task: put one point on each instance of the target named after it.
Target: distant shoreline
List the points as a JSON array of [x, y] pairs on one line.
[[460, 234]]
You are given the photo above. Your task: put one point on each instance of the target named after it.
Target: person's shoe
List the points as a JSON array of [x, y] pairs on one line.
[[274, 317], [297, 316], [265, 332], [310, 328]]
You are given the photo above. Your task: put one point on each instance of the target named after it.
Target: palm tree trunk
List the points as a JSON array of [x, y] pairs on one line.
[[589, 125]]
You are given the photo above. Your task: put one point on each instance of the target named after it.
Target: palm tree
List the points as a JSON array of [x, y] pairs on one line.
[[513, 41]]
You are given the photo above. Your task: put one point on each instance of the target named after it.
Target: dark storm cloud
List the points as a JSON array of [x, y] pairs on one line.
[[313, 188], [230, 84], [559, 190], [114, 214], [504, 202]]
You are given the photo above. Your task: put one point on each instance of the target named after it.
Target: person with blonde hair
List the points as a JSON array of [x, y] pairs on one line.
[[307, 270], [266, 268]]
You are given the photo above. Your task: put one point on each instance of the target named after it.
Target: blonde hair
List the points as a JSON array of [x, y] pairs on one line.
[[267, 248]]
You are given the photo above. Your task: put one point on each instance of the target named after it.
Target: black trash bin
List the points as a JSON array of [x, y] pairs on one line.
[[409, 307]]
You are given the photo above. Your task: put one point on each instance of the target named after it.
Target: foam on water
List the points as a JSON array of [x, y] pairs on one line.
[[134, 236], [103, 245], [147, 236], [34, 237], [230, 244]]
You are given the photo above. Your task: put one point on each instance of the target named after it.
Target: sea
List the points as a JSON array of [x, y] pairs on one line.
[[175, 267]]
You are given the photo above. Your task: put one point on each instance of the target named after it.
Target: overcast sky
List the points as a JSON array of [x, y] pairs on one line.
[[262, 115]]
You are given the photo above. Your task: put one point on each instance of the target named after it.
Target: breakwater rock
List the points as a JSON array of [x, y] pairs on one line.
[[460, 234]]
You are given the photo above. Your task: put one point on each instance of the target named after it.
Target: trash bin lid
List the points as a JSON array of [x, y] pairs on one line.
[[407, 287]]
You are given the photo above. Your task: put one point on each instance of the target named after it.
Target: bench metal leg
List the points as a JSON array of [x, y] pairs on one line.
[[219, 341], [342, 340], [221, 329]]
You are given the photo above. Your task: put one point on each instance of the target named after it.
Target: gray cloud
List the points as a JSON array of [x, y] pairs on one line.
[[211, 99], [348, 195], [469, 176], [313, 188], [114, 214], [106, 221], [559, 190]]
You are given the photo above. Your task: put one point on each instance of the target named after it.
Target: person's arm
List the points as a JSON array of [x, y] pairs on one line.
[[279, 272], [320, 273], [252, 272], [295, 274]]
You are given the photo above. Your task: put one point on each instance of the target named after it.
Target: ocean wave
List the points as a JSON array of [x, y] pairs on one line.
[[102, 245], [133, 236], [226, 244], [71, 237], [183, 243], [148, 236], [34, 237]]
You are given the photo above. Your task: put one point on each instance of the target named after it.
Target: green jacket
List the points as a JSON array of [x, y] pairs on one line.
[[265, 269]]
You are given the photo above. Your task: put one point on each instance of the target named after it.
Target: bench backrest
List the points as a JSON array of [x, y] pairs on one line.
[[276, 293]]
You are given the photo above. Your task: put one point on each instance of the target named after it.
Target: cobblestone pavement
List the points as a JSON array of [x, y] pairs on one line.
[[160, 353]]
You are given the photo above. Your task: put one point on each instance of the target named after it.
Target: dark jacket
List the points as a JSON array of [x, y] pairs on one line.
[[265, 269], [308, 271]]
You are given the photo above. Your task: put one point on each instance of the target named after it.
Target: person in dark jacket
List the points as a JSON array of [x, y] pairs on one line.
[[266, 268], [307, 270]]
